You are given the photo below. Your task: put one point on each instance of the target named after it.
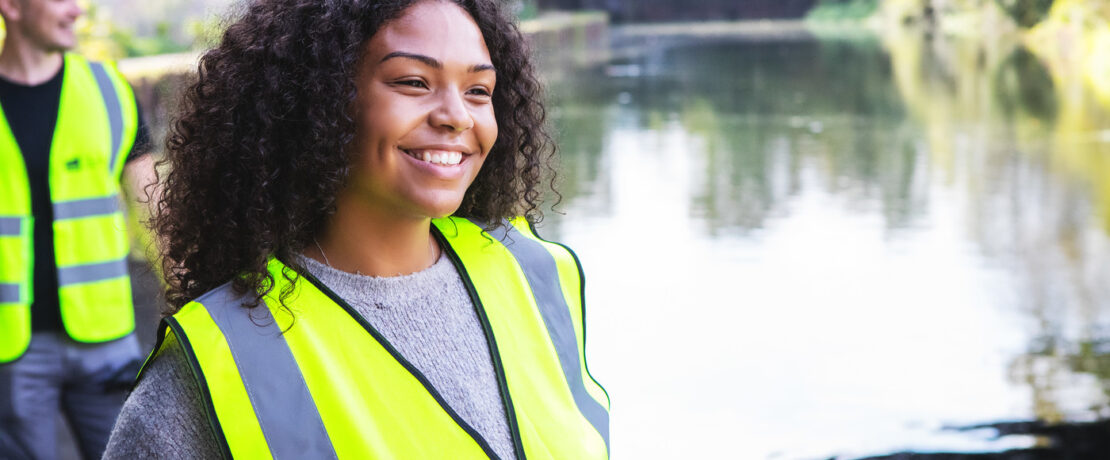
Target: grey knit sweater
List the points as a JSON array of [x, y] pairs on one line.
[[427, 316]]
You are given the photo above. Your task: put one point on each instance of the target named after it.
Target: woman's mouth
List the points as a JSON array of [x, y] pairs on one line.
[[439, 157]]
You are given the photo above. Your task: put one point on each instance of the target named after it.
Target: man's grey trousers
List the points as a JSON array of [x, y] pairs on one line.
[[86, 382]]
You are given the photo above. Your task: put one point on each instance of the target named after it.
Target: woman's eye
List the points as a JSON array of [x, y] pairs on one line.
[[479, 92], [412, 83]]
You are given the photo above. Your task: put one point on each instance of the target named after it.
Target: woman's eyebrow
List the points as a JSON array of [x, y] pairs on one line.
[[482, 68], [432, 62], [427, 60]]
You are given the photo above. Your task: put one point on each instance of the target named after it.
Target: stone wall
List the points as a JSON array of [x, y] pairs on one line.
[[624, 11]]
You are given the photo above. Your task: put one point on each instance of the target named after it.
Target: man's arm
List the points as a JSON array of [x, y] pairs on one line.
[[142, 191], [138, 168]]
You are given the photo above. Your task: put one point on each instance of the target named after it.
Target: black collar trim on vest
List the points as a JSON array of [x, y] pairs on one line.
[[495, 355], [198, 375]]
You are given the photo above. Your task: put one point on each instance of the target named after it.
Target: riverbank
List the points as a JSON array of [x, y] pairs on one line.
[[769, 29], [1071, 37], [578, 34], [561, 41]]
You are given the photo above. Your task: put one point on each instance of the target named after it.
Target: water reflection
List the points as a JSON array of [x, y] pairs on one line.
[[754, 106], [1023, 89], [1038, 202], [865, 240]]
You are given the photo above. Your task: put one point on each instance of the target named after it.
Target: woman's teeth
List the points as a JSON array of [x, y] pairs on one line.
[[440, 157]]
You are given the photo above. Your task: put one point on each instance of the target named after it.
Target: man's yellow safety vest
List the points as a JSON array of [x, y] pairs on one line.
[[323, 383], [97, 122]]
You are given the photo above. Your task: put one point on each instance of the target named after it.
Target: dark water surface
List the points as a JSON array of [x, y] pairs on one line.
[[815, 245]]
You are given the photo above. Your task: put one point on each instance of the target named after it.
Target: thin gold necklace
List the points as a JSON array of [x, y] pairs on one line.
[[322, 253]]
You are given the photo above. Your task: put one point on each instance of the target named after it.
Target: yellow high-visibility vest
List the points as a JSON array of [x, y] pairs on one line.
[[96, 127], [323, 383]]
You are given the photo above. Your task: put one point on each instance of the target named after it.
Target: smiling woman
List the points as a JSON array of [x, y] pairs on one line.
[[424, 126], [351, 263]]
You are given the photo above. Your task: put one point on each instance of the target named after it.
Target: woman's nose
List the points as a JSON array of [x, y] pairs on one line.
[[452, 113]]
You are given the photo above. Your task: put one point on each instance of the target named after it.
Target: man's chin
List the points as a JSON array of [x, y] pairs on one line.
[[62, 44], [58, 48]]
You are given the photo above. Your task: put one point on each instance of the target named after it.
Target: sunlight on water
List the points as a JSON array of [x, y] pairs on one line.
[[806, 248]]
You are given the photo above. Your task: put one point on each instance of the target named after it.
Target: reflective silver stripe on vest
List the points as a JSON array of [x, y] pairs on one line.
[[89, 273], [285, 409], [9, 293], [89, 207], [115, 112], [11, 226], [542, 272]]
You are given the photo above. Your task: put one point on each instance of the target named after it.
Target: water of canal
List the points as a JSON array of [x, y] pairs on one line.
[[803, 247]]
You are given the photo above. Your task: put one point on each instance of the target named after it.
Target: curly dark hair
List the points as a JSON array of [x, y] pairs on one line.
[[259, 151]]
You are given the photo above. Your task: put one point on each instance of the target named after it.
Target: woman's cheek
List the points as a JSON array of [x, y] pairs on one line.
[[488, 135]]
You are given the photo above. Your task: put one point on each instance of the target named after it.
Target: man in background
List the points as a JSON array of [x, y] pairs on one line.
[[69, 135]]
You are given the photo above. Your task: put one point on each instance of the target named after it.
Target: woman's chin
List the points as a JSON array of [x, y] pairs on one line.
[[440, 208], [444, 211]]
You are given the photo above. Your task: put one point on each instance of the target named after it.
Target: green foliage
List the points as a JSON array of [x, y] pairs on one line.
[[524, 9], [1026, 13], [206, 33], [161, 43], [836, 10]]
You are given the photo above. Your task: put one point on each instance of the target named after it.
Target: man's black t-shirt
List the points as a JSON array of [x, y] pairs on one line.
[[32, 112]]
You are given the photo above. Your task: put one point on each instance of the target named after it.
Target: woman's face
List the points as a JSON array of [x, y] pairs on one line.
[[424, 113]]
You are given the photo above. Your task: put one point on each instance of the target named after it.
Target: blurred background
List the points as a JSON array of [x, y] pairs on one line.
[[810, 228]]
